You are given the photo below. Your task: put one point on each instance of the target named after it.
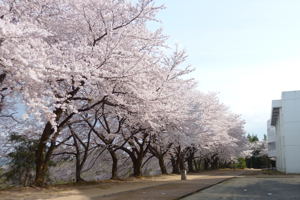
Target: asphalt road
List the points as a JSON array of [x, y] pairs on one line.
[[252, 188]]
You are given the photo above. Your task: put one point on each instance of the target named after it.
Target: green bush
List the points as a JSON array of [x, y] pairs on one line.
[[241, 163], [258, 162], [21, 160]]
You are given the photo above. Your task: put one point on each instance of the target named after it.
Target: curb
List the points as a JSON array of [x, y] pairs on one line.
[[206, 187]]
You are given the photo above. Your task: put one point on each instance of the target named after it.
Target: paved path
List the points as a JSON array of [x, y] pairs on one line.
[[174, 190], [253, 188]]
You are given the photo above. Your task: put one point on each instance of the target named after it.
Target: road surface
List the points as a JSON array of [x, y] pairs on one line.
[[252, 188]]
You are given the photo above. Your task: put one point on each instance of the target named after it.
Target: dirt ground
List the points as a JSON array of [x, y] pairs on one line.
[[157, 187]]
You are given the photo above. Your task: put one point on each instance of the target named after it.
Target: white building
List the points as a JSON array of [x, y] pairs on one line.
[[271, 141], [284, 132]]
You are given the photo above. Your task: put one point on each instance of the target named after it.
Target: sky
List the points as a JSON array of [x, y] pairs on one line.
[[248, 51]]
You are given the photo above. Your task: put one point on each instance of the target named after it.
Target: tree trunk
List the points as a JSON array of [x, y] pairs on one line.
[[181, 164], [137, 167], [78, 175], [162, 165], [206, 164], [190, 164], [215, 163], [41, 172], [175, 166], [78, 169], [197, 165], [137, 159], [41, 158], [43, 154], [114, 169]]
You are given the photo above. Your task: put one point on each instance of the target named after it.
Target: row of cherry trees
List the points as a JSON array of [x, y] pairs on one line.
[[93, 78]]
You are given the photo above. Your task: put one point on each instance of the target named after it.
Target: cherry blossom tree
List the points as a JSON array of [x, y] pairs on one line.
[[93, 76], [73, 55]]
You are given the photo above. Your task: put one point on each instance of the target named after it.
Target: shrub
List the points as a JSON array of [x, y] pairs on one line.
[[21, 166], [241, 163]]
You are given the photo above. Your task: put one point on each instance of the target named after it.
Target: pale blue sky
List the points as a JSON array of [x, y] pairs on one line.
[[247, 50]]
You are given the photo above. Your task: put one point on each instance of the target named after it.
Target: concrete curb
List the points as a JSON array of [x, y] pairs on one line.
[[204, 188]]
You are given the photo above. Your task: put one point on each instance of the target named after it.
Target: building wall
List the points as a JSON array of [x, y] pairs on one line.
[[280, 154], [287, 131], [271, 137], [290, 125]]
